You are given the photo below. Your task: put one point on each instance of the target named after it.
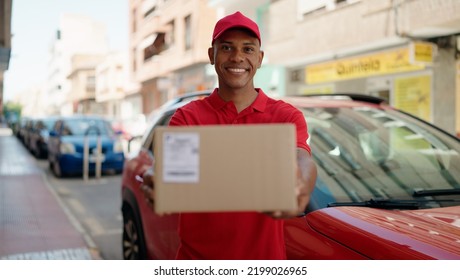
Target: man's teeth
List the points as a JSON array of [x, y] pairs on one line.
[[238, 70]]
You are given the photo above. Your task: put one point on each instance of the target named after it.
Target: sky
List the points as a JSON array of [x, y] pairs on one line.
[[33, 26]]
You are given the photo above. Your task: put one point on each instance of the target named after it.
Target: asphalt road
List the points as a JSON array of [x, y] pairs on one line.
[[95, 205]]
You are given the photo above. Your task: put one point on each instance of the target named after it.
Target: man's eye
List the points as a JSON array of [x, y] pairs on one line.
[[249, 50], [226, 48]]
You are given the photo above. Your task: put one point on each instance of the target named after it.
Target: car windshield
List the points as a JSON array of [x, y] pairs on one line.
[[82, 127], [367, 153], [48, 123]]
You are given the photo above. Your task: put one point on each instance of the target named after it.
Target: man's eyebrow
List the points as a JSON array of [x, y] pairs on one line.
[[245, 43]]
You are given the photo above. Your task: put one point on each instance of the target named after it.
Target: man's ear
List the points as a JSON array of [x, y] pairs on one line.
[[211, 55], [261, 58]]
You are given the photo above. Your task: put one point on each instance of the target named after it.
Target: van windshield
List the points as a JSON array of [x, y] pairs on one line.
[[81, 127]]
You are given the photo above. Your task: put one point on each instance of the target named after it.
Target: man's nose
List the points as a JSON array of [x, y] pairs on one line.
[[237, 55]]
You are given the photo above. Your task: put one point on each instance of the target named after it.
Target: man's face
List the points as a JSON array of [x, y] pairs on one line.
[[236, 55]]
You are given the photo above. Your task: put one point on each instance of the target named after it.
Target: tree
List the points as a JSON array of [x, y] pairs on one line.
[[12, 112]]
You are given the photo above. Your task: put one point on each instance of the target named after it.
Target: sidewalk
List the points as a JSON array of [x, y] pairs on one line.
[[33, 225]]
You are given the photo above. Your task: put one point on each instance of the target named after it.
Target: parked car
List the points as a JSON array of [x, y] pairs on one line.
[[66, 145], [130, 127], [38, 136], [388, 187], [25, 125]]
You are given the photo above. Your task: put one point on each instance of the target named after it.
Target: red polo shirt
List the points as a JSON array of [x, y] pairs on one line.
[[235, 235]]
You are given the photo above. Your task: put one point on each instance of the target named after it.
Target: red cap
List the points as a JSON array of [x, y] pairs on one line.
[[236, 20]]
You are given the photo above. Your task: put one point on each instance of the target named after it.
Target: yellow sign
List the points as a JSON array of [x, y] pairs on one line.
[[422, 52], [394, 61], [413, 95]]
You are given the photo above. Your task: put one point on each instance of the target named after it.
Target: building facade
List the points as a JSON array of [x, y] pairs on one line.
[[403, 51], [111, 78], [82, 90], [5, 43], [168, 49], [76, 35]]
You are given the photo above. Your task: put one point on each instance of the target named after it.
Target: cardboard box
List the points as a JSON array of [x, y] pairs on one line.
[[218, 168]]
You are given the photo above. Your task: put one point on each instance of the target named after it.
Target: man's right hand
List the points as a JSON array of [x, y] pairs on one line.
[[147, 188]]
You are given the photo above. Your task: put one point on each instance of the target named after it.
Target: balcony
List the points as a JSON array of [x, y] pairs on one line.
[[5, 54]]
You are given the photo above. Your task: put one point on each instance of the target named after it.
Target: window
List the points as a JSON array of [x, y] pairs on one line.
[[87, 127], [90, 82], [188, 32], [134, 60], [306, 7], [148, 7], [311, 6], [149, 143], [170, 34]]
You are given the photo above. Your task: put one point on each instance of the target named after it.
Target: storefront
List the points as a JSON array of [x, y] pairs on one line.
[[418, 78]]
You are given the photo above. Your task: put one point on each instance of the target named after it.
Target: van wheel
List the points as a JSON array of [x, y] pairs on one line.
[[133, 242]]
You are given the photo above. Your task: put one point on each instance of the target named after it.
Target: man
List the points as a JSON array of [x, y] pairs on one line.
[[236, 55]]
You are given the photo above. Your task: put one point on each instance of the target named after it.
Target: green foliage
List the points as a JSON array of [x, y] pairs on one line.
[[12, 110]]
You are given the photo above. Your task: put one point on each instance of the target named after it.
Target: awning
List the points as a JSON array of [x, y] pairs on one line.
[[156, 47], [5, 54]]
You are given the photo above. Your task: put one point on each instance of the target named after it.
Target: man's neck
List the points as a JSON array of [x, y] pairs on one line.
[[241, 98]]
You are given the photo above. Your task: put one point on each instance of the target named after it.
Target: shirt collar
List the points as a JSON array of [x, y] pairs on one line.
[[261, 101], [259, 104]]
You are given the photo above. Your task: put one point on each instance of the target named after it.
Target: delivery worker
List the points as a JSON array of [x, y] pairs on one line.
[[236, 55]]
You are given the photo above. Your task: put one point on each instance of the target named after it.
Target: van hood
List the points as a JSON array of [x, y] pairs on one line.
[[392, 234]]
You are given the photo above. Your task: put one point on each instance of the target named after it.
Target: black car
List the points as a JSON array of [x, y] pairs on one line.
[[38, 136]]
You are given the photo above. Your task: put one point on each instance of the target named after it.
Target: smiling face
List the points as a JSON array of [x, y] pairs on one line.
[[236, 55]]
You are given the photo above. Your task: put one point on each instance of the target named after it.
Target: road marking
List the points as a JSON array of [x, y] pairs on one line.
[[114, 231], [94, 226], [64, 254], [76, 205], [63, 191]]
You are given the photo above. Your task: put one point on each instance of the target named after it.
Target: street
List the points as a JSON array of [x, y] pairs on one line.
[[95, 205]]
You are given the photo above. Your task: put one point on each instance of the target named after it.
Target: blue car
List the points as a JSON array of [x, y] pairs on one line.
[[66, 145]]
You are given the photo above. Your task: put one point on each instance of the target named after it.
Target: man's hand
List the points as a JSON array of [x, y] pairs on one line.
[[147, 187]]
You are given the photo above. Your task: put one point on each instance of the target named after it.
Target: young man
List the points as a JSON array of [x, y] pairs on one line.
[[236, 55]]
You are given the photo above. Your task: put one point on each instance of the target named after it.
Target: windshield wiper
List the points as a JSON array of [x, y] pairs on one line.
[[420, 193], [380, 203]]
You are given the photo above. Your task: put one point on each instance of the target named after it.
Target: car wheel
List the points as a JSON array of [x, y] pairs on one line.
[[133, 243]]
